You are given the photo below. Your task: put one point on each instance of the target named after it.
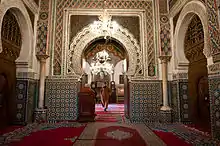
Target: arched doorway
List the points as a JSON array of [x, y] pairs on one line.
[[74, 53], [101, 70], [197, 74], [11, 47]]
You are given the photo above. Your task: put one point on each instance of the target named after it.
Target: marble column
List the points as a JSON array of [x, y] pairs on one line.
[[40, 112], [164, 61]]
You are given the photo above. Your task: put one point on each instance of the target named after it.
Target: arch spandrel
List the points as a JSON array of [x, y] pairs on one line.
[[25, 25], [80, 41]]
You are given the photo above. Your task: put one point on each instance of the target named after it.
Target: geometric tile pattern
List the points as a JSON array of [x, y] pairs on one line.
[[165, 35], [61, 99], [25, 100], [98, 4], [184, 101], [145, 100], [214, 92], [175, 101], [43, 27], [213, 28], [165, 116], [180, 101], [42, 38]]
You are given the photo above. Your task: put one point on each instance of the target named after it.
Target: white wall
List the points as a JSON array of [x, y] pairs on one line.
[[118, 70], [86, 69]]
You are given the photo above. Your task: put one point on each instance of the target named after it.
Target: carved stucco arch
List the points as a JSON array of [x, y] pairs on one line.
[[24, 22], [189, 10], [79, 42]]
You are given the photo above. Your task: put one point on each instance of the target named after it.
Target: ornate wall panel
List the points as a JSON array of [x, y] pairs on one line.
[[25, 100], [180, 101], [213, 28], [214, 92], [11, 38], [145, 100], [194, 41], [184, 101], [61, 99], [74, 51], [114, 4], [165, 36], [42, 27], [131, 23], [175, 101]]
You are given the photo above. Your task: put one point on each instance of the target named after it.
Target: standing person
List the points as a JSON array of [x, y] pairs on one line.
[[105, 94]]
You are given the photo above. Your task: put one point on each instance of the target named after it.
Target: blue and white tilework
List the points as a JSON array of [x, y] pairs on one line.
[[214, 92], [61, 99], [25, 100], [145, 100], [184, 101], [180, 101]]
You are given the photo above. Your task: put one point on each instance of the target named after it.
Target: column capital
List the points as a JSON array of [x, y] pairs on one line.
[[165, 59], [42, 57]]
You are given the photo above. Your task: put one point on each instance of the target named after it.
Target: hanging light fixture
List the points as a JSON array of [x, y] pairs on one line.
[[101, 63], [105, 26]]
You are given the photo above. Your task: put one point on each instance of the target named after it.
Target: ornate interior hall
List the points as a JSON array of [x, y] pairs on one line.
[[160, 61]]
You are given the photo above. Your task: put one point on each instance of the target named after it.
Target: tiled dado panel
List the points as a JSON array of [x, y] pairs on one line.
[[61, 99], [26, 95], [175, 101], [180, 101], [145, 100], [214, 92]]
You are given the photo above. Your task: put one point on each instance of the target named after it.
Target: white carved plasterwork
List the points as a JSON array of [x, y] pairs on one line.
[[189, 10], [74, 48], [19, 10], [86, 36]]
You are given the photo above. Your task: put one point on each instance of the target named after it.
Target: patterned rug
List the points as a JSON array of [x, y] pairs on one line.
[[56, 134], [190, 135], [118, 136], [96, 134]]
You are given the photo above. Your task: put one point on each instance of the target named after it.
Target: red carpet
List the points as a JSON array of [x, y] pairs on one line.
[[118, 136], [115, 113], [9, 129], [170, 139], [197, 127], [64, 136], [113, 108]]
